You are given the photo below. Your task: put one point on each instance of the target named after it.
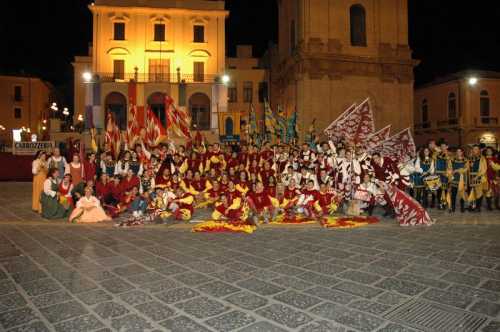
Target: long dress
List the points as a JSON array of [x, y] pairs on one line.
[[39, 169], [76, 172], [88, 210], [51, 208]]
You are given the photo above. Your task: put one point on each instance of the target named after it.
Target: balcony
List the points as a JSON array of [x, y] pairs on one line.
[[159, 77], [486, 122], [423, 125], [447, 124]]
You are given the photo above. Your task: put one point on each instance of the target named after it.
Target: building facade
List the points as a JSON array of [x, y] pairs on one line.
[[332, 53], [248, 87], [168, 48], [24, 102], [462, 109]]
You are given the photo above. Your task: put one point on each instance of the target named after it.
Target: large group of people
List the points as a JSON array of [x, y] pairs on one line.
[[259, 183]]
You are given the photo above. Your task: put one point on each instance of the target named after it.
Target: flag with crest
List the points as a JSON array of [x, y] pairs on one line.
[[113, 136]]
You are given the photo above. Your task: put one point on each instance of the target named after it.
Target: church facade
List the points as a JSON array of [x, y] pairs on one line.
[[332, 53]]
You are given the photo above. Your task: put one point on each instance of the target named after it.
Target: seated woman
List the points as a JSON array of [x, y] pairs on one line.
[[65, 189], [88, 209], [51, 208]]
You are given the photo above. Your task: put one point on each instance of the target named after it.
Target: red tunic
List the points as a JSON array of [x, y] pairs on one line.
[[291, 193], [267, 155], [90, 169], [102, 190], [162, 181], [265, 174], [271, 191], [259, 201], [199, 185], [128, 184]]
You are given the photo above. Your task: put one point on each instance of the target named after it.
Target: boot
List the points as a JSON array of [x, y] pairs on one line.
[[462, 206], [488, 204], [433, 201], [370, 210], [497, 202], [388, 211], [453, 206], [479, 202]]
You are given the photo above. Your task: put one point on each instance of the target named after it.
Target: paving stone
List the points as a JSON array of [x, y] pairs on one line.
[[264, 274], [192, 278], [373, 269], [161, 286], [297, 299], [107, 310], [28, 276], [364, 259], [370, 307], [492, 285], [129, 270], [49, 299], [423, 280], [292, 282], [322, 326], [63, 311], [99, 275], [80, 324], [451, 266], [284, 315], [7, 287], [331, 295], [116, 285], [204, 267], [484, 273], [241, 267], [41, 286], [94, 297], [345, 263], [262, 327], [228, 275], [493, 326], [423, 270], [202, 307], [130, 323], [170, 269], [357, 276], [230, 321], [486, 308], [328, 269], [31, 327], [390, 264], [145, 278], [11, 301], [296, 261], [218, 288], [395, 328], [183, 324], [113, 261], [453, 299], [17, 317], [247, 300], [474, 292], [319, 279], [348, 317], [391, 298], [287, 270], [62, 274], [461, 278], [260, 287], [79, 285], [358, 289], [401, 286], [135, 297], [155, 310]]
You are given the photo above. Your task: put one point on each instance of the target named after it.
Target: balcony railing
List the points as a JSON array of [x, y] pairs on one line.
[[423, 125], [486, 122], [450, 123], [158, 77]]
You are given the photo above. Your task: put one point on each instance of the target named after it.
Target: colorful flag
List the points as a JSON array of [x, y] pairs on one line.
[[113, 136], [354, 125], [133, 128], [338, 129], [373, 140], [365, 124], [155, 132], [408, 211], [269, 118], [177, 119], [253, 120], [400, 147]]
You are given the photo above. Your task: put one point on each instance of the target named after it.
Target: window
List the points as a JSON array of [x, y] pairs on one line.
[[159, 70], [119, 69], [119, 31], [484, 107], [262, 92], [452, 106], [232, 93], [199, 34], [199, 71], [425, 114], [18, 93], [17, 112], [293, 40], [247, 92], [199, 105], [358, 25], [159, 33]]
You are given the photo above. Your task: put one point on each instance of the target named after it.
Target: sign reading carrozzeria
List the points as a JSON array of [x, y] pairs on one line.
[[30, 148]]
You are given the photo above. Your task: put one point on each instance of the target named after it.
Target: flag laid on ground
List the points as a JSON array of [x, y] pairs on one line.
[[155, 131], [408, 211], [113, 136], [373, 140], [399, 147]]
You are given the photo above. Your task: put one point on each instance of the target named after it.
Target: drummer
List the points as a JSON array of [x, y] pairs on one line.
[[424, 168]]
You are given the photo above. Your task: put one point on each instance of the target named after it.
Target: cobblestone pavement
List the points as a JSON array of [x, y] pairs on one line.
[[60, 277]]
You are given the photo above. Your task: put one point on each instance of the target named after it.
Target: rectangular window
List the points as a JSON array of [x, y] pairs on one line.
[[198, 71], [17, 112], [119, 69], [119, 31], [247, 92], [159, 32], [232, 93], [199, 34], [18, 93], [159, 70], [262, 92]]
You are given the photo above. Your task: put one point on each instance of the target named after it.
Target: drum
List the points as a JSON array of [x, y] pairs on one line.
[[432, 182], [362, 195]]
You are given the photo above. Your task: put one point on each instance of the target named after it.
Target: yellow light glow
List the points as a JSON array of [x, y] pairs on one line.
[[87, 76], [80, 117], [473, 81]]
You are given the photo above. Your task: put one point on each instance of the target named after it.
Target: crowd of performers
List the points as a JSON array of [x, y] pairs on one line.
[[258, 184]]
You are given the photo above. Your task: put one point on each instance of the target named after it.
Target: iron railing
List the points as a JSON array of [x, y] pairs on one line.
[[158, 77]]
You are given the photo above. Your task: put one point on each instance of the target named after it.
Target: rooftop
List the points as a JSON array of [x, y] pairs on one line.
[[181, 4], [461, 75]]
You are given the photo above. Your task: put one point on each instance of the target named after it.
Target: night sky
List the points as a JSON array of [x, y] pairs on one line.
[[42, 38]]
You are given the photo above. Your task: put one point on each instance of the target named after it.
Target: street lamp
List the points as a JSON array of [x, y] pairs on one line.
[[226, 79], [473, 81], [87, 76]]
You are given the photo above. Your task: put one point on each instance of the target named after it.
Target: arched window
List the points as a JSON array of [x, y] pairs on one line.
[[452, 107], [199, 106], [116, 103], [229, 126], [156, 103], [425, 113], [358, 25], [484, 107]]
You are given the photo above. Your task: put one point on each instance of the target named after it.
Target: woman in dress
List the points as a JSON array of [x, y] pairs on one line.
[[39, 169], [65, 189], [88, 209], [51, 207], [75, 168], [57, 161]]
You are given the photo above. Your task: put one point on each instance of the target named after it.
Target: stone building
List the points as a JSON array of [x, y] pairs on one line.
[[334, 52]]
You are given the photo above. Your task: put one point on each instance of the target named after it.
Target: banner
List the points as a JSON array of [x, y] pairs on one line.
[[31, 148]]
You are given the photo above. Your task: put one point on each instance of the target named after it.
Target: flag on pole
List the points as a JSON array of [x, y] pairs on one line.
[[338, 129], [133, 128], [354, 125], [408, 211], [177, 119], [269, 119], [113, 136], [373, 140], [155, 131], [400, 147], [365, 125], [253, 120]]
